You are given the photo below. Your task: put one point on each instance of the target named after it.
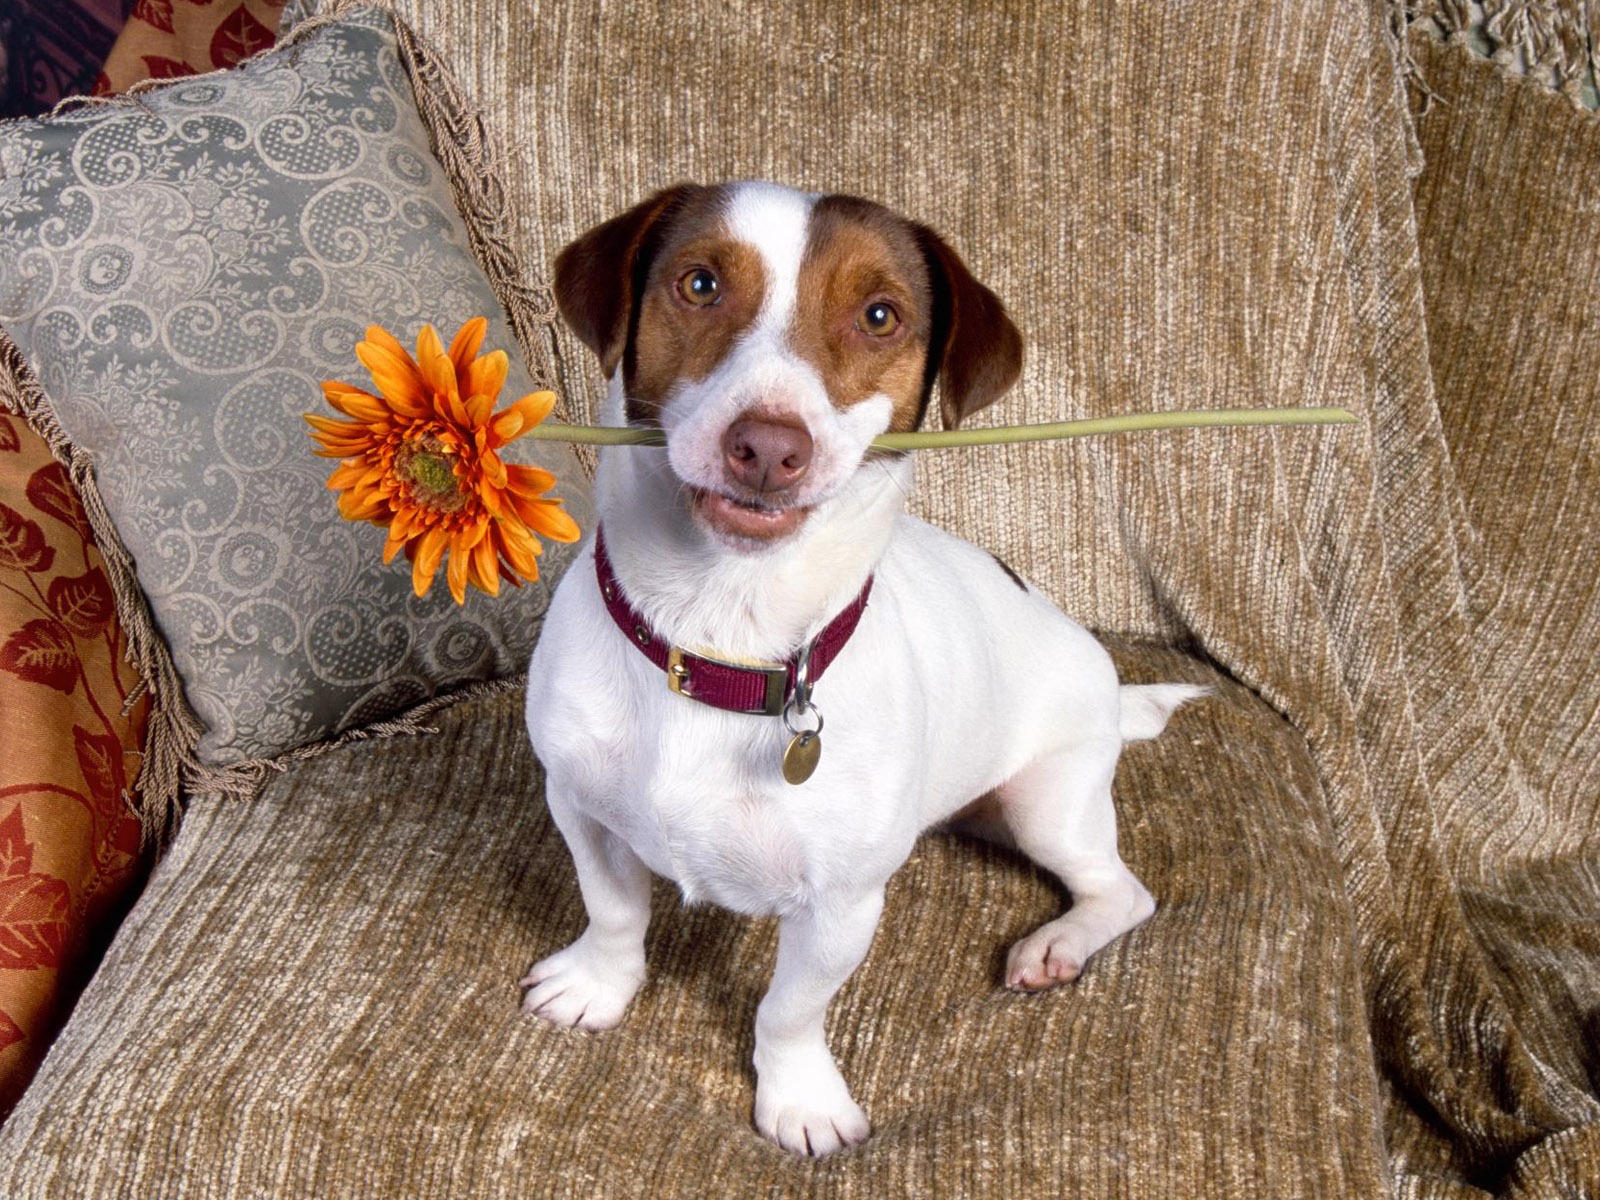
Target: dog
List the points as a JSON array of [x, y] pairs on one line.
[[757, 577]]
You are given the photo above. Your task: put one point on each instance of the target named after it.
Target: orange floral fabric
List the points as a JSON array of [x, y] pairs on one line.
[[164, 39], [69, 841]]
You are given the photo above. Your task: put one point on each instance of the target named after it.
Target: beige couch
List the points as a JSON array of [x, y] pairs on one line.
[[1375, 967]]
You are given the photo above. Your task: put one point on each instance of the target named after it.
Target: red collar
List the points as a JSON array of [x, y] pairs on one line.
[[725, 685]]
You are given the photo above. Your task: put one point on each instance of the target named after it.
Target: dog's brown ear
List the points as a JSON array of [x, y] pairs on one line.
[[600, 276], [975, 350]]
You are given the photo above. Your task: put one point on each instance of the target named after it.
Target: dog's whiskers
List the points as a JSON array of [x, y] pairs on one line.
[[893, 478]]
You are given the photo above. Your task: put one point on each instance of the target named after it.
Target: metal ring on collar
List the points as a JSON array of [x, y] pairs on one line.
[[791, 707], [799, 702], [802, 679]]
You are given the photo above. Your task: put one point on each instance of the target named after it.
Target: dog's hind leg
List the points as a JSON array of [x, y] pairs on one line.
[[1059, 812], [589, 984]]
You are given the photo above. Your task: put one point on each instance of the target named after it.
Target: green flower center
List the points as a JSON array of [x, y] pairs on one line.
[[428, 468]]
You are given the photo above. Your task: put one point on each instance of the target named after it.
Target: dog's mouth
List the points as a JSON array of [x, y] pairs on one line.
[[747, 519]]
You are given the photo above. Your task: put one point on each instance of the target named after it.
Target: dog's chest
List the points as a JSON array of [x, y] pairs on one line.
[[726, 836], [747, 858]]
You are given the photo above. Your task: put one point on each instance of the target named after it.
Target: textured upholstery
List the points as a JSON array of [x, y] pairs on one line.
[[345, 1023], [1374, 970]]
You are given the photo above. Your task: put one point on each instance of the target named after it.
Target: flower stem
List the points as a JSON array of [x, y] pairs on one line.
[[610, 435]]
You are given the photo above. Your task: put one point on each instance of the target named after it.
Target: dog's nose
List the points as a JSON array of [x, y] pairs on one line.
[[765, 455]]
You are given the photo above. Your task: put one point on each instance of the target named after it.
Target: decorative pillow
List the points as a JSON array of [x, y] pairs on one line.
[[181, 268], [69, 748]]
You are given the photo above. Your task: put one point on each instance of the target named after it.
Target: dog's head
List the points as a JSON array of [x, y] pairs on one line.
[[772, 334]]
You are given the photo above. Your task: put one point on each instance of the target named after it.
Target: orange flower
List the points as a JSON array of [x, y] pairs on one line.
[[419, 459]]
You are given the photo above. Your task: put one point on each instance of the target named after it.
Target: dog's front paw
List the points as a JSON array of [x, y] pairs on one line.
[[813, 1124], [580, 988]]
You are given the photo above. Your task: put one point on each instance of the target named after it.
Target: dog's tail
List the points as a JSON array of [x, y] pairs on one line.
[[1146, 707]]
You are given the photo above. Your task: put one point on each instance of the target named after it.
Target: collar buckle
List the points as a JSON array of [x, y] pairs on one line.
[[680, 678]]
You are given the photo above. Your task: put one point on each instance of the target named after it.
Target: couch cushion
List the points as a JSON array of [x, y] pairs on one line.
[[317, 996], [181, 269], [168, 38], [1213, 205], [69, 748]]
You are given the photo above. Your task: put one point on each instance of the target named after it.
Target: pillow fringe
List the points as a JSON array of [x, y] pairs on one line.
[[172, 730]]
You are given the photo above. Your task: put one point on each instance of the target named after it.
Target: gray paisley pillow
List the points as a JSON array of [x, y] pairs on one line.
[[181, 271]]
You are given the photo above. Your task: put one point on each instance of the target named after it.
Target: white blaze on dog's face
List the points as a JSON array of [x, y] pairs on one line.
[[772, 334], [815, 330]]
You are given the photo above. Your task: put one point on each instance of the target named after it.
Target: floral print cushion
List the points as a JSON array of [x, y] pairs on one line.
[[182, 270], [164, 39], [69, 749]]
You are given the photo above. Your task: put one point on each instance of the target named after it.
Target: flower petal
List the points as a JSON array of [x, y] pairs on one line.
[[540, 405], [396, 376], [485, 573], [353, 402], [474, 534], [464, 347], [384, 340], [430, 549], [487, 375], [334, 425], [402, 526], [521, 548], [333, 447], [438, 372], [522, 416], [493, 499], [547, 518], [479, 407], [493, 469], [456, 573], [528, 481], [348, 474], [355, 506]]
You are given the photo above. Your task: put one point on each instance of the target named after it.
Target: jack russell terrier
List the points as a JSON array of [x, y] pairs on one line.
[[758, 572]]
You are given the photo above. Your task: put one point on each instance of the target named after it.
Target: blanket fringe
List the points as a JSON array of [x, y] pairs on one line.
[[1555, 42]]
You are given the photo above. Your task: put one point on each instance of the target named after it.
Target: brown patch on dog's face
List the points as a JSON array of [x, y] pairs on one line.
[[863, 269], [703, 291]]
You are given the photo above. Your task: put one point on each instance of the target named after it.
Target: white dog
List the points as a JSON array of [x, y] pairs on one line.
[[758, 573]]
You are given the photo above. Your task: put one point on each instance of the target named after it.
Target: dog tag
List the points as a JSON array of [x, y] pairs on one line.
[[802, 756]]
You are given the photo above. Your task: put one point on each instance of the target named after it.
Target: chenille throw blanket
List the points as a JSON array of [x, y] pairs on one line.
[[1253, 204], [1237, 205], [1376, 968]]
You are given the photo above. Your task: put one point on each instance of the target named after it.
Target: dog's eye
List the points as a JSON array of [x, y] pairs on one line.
[[878, 319], [699, 287]]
